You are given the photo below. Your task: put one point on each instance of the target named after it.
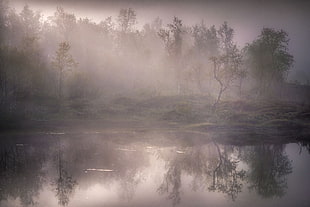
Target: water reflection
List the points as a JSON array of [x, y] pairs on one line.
[[212, 167], [21, 173], [66, 167], [64, 184], [268, 169]]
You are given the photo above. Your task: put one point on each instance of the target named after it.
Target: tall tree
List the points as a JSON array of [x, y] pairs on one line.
[[172, 38], [227, 64], [205, 39], [127, 18], [3, 50], [64, 22], [63, 61], [127, 39], [31, 24], [206, 43], [269, 58]]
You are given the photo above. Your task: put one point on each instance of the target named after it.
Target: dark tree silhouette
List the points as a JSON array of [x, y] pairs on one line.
[[269, 59], [226, 178], [65, 183], [172, 37], [172, 182], [211, 169], [21, 173], [63, 62], [269, 167]]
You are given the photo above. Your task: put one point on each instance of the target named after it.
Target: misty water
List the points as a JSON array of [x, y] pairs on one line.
[[149, 169]]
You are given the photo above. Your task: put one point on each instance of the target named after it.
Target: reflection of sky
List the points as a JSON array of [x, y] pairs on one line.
[[246, 17], [93, 190]]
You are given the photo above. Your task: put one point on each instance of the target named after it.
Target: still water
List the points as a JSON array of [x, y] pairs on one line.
[[150, 170]]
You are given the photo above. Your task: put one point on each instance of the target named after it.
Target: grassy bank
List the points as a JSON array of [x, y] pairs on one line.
[[231, 119]]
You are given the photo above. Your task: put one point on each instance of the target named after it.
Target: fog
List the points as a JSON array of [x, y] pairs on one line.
[[63, 54], [246, 17], [154, 103]]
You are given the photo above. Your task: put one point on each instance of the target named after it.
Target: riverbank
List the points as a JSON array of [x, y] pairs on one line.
[[231, 120]]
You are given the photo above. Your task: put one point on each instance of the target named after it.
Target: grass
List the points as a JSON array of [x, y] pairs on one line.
[[245, 118]]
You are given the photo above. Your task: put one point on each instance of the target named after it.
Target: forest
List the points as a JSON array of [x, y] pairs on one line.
[[61, 68]]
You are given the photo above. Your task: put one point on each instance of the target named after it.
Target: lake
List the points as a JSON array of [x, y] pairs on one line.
[[150, 169]]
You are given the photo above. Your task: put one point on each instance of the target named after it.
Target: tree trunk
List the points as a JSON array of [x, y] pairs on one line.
[[60, 83], [218, 98], [240, 87]]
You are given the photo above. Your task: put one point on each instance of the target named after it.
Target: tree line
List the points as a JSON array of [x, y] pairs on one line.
[[63, 56]]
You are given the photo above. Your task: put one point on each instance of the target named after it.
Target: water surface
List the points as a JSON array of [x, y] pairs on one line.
[[117, 170]]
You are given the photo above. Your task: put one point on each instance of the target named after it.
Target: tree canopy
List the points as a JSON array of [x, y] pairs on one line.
[[269, 58], [115, 55]]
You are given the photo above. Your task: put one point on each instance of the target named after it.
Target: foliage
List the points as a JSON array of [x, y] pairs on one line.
[[270, 167], [268, 58], [117, 58], [127, 18], [63, 62], [64, 22], [205, 40], [226, 65], [172, 37]]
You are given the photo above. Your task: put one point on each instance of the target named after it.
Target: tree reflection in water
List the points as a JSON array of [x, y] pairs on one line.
[[268, 169], [21, 175], [129, 183], [172, 181], [212, 167], [64, 184], [225, 176], [110, 165]]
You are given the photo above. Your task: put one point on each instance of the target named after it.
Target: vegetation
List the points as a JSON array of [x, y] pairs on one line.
[[227, 64], [63, 62], [269, 58], [176, 73]]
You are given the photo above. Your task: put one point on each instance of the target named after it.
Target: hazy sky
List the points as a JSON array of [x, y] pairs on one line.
[[246, 17]]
